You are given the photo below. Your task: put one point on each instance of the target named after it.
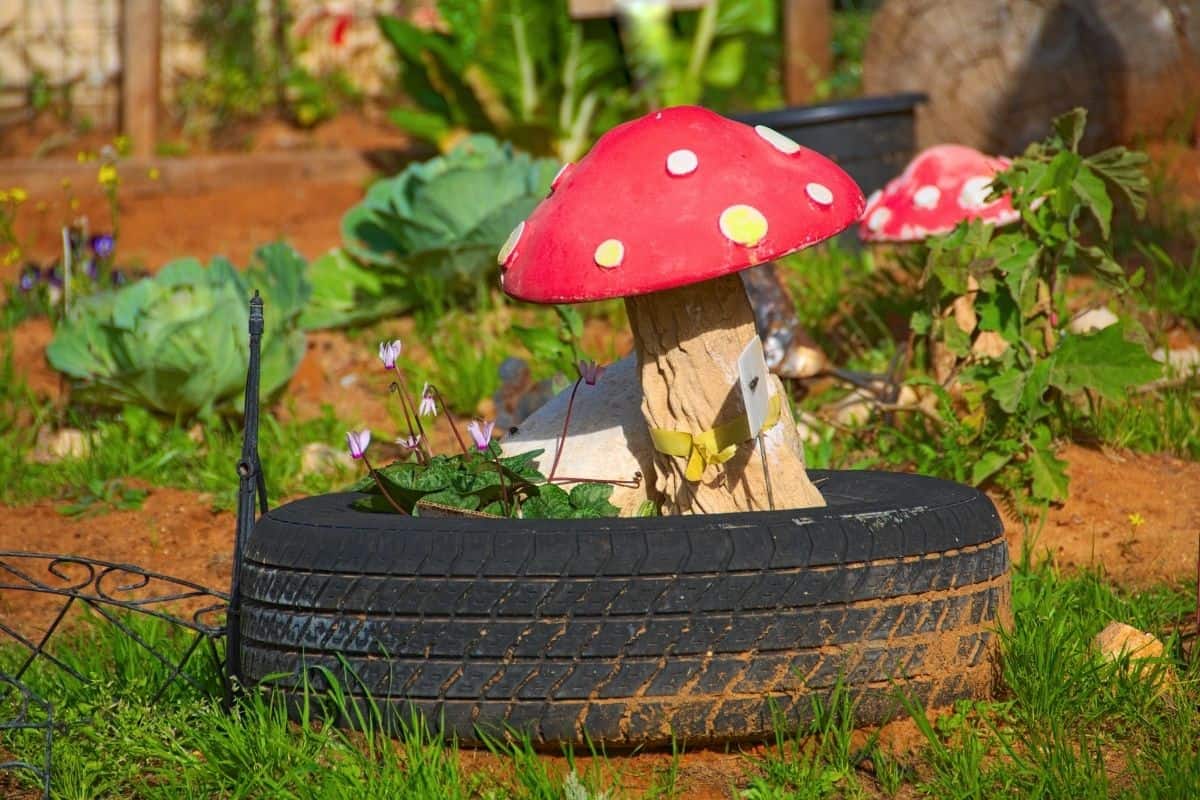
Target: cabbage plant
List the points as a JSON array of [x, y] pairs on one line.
[[433, 231], [178, 343]]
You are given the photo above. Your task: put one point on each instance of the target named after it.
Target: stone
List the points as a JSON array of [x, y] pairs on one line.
[[1091, 320], [1119, 640], [52, 446], [1182, 361], [607, 439]]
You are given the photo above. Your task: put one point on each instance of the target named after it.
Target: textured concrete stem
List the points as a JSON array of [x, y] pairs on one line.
[[688, 341]]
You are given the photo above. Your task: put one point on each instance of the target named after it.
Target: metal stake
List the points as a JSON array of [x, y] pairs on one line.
[[762, 452]]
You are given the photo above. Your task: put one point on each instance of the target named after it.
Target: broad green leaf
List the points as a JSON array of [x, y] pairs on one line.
[[1007, 388], [1104, 362], [1070, 127], [988, 465], [1094, 195], [1049, 472]]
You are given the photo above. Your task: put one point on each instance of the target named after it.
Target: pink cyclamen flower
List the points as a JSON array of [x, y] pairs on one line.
[[428, 408], [481, 432], [358, 442], [590, 371], [389, 352], [410, 442]]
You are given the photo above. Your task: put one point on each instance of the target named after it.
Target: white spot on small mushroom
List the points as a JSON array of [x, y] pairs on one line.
[[874, 198], [777, 140], [609, 253], [510, 244], [927, 197], [819, 193], [682, 162], [879, 217], [743, 224], [975, 191], [558, 175]]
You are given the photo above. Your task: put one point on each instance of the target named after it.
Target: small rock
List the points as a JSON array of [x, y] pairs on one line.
[[855, 408], [318, 458], [607, 439], [52, 446], [1093, 319], [196, 433], [1120, 640], [1182, 362]]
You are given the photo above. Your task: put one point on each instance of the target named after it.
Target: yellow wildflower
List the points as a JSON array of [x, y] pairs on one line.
[[154, 173], [18, 194], [1136, 520], [107, 175]]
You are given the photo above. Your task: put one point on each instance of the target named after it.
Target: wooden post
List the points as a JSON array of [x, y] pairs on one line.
[[807, 54], [141, 54]]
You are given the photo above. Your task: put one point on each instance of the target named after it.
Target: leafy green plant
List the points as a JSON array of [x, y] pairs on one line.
[[104, 495], [432, 232], [482, 481], [997, 337], [519, 69], [177, 343], [555, 348]]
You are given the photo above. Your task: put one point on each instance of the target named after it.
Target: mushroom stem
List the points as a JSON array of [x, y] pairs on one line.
[[688, 341]]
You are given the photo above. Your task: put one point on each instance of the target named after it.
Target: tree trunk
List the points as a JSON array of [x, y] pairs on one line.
[[997, 71], [688, 341]]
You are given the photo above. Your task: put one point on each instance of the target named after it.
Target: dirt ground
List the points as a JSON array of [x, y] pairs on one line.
[[177, 533]]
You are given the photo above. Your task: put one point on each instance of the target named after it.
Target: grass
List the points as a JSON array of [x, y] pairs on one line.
[[1065, 725]]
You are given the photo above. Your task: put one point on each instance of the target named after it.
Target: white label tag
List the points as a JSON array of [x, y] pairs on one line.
[[752, 377]]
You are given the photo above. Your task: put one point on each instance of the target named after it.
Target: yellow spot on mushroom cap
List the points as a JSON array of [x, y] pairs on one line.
[[777, 140], [510, 244], [743, 224], [609, 253]]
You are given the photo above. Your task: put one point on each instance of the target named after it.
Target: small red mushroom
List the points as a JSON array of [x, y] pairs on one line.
[[663, 212], [940, 188]]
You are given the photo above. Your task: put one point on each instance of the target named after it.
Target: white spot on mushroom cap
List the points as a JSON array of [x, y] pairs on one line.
[[927, 197], [743, 224], [777, 140], [819, 193], [874, 198], [879, 217], [975, 191], [609, 253], [510, 244], [682, 162]]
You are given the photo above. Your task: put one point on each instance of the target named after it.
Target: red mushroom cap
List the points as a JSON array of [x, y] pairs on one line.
[[940, 188], [676, 197]]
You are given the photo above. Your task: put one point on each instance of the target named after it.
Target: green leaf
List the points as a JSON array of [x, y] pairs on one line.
[[1070, 127], [1007, 389], [1104, 362], [1049, 472], [988, 465], [1094, 196], [920, 322]]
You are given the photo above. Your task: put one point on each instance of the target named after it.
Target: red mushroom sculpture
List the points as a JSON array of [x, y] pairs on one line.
[[663, 212], [940, 188]]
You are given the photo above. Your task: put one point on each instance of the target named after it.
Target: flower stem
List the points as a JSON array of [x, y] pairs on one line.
[[449, 418], [382, 488], [422, 456], [416, 418], [562, 438], [504, 501]]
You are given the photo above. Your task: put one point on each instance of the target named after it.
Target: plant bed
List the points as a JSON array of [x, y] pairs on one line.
[[631, 631]]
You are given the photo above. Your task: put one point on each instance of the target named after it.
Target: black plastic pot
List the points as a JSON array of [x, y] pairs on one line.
[[631, 631], [872, 138]]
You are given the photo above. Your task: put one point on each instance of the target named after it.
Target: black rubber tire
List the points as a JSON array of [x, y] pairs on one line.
[[630, 631]]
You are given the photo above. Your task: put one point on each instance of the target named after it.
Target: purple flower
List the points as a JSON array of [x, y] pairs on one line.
[[389, 352], [102, 245], [91, 268], [428, 407], [410, 442], [118, 278], [481, 432], [30, 276], [357, 442], [590, 371], [54, 278]]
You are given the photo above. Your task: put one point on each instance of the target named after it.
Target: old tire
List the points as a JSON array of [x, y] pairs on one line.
[[631, 631]]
